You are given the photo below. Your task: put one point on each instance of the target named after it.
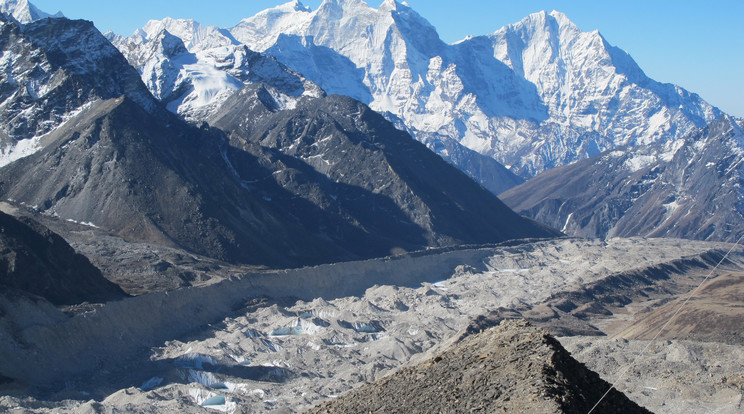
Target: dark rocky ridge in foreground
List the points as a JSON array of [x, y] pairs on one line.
[[513, 367]]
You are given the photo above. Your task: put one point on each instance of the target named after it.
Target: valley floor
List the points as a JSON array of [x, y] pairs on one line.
[[277, 353]]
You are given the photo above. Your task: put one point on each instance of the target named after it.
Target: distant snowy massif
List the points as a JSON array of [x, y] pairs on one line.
[[533, 95]]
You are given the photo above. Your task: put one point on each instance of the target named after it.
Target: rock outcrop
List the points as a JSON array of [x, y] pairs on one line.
[[513, 367]]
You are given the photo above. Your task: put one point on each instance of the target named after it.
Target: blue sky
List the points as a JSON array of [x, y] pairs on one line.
[[697, 45]]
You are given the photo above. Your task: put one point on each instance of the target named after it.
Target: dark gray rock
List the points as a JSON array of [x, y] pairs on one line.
[[375, 185], [53, 68], [35, 260]]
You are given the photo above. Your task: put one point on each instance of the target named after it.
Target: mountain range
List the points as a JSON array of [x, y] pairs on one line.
[[564, 95], [85, 140], [533, 95], [687, 188], [530, 96], [195, 166]]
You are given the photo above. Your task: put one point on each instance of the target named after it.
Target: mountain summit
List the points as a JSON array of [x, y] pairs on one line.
[[531, 96], [84, 140], [569, 93], [23, 11]]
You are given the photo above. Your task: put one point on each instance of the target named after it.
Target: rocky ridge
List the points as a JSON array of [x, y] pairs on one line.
[[36, 261], [192, 68], [340, 157], [51, 70], [511, 368], [690, 187]]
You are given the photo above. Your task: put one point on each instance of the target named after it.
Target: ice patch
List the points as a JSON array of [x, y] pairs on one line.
[[272, 347], [565, 225], [670, 209], [151, 383], [367, 327], [208, 399], [514, 270], [252, 333], [639, 162], [300, 327], [204, 378], [21, 149], [84, 223], [441, 285], [195, 361]]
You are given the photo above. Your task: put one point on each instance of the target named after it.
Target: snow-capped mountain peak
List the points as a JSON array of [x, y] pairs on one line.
[[193, 68], [194, 35], [533, 95], [24, 11]]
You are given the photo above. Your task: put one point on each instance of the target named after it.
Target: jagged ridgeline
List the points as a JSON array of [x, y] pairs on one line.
[[513, 367], [84, 140], [687, 188], [532, 95], [502, 107]]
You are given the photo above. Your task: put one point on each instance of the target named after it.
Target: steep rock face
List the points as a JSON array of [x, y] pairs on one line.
[[50, 70], [158, 180], [209, 63], [106, 153], [35, 260], [513, 367], [340, 157], [688, 188], [193, 68], [533, 95]]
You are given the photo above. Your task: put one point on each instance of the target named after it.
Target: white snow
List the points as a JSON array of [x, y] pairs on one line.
[[569, 76], [23, 11], [565, 225], [639, 162], [195, 361], [21, 149], [540, 86]]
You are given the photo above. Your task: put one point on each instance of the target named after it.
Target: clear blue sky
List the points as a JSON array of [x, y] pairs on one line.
[[697, 45]]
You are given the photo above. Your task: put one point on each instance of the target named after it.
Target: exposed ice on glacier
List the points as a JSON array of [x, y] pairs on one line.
[[195, 361]]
